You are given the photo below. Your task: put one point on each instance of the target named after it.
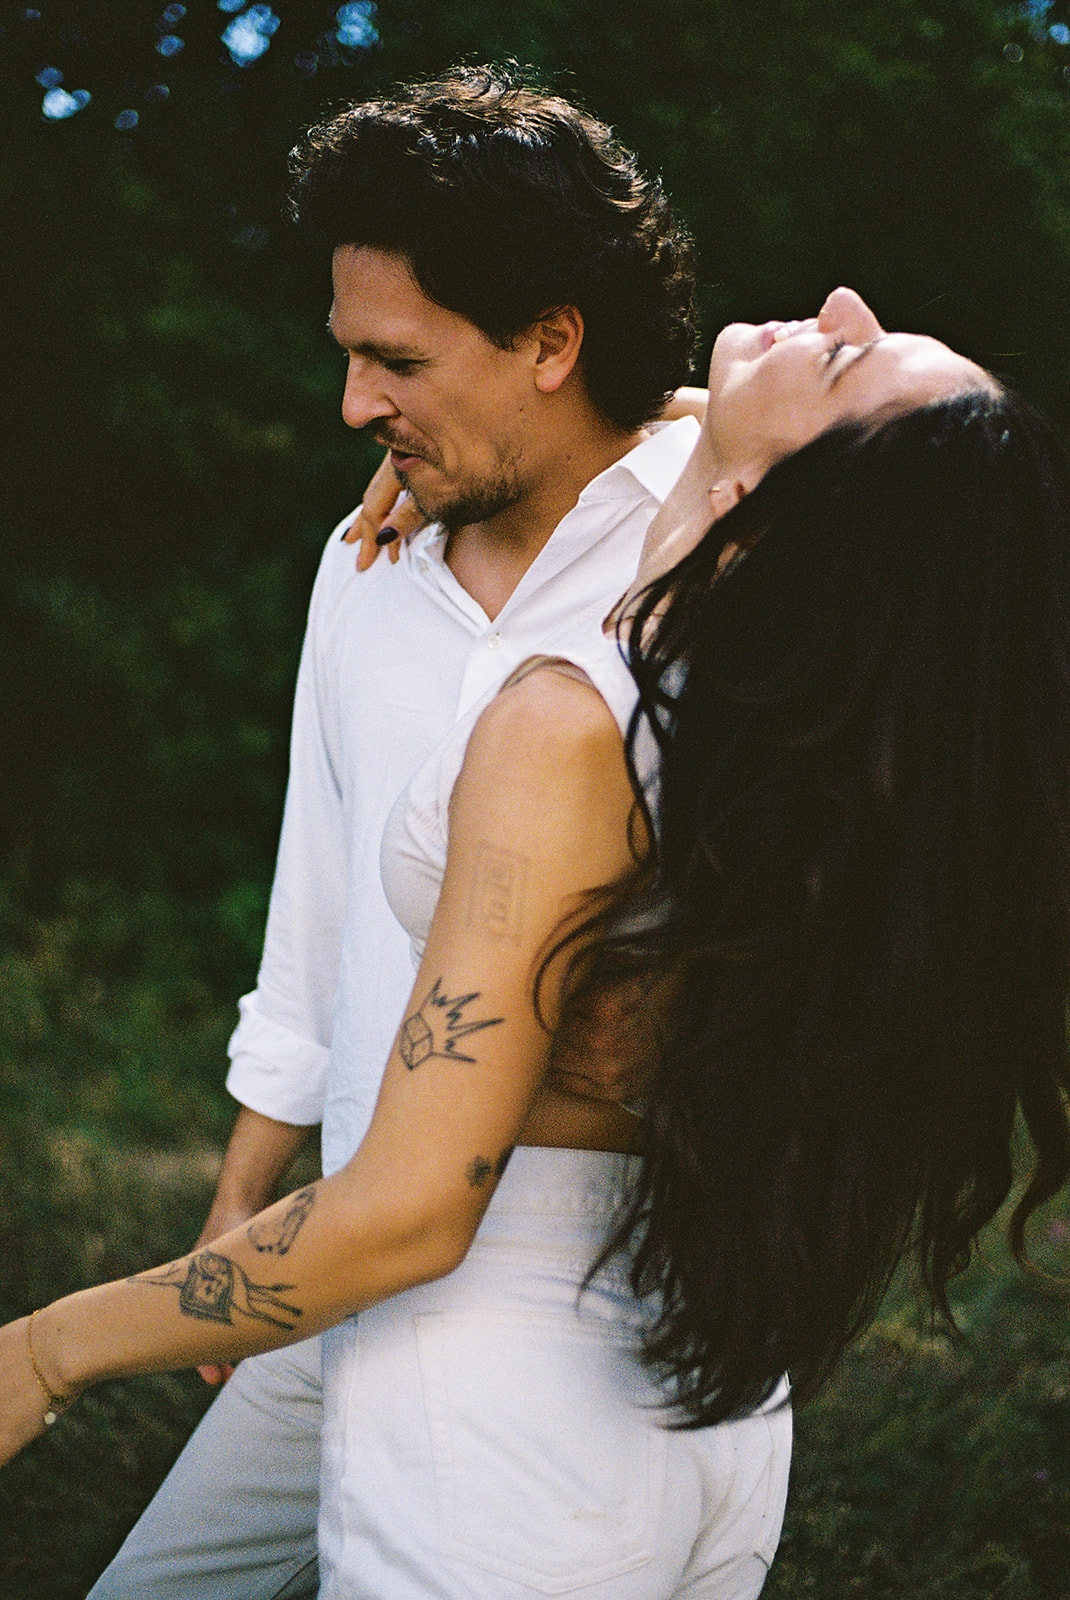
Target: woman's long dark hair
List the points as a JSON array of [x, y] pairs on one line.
[[862, 884]]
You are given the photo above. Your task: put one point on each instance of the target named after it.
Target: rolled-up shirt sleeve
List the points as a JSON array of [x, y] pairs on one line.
[[274, 1070]]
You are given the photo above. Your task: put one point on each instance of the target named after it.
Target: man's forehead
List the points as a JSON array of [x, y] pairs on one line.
[[377, 301], [368, 261], [370, 335]]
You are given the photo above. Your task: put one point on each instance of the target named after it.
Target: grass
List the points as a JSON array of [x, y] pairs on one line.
[[935, 1469], [928, 1469]]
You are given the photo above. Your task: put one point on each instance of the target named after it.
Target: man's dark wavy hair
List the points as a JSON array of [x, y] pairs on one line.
[[508, 203], [863, 845]]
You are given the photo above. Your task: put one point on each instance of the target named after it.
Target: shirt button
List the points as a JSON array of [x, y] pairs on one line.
[[494, 641]]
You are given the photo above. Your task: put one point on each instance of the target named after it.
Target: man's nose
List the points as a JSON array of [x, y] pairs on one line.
[[364, 400], [846, 315]]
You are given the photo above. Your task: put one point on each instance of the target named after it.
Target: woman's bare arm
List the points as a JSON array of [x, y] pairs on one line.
[[387, 510], [539, 815]]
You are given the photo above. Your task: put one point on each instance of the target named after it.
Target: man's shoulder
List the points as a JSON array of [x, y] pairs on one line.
[[659, 458], [338, 575]]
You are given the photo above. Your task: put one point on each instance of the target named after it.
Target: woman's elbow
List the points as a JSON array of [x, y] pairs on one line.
[[448, 1245], [424, 1242], [392, 1236]]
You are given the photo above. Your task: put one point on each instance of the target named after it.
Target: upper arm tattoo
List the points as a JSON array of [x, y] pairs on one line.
[[437, 1026], [496, 905], [213, 1288]]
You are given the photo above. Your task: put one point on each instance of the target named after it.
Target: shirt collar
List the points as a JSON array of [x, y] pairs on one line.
[[654, 465]]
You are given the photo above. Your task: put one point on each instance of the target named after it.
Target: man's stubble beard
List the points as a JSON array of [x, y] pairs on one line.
[[473, 502]]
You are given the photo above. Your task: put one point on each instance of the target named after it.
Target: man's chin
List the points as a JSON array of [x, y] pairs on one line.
[[460, 507], [463, 510]]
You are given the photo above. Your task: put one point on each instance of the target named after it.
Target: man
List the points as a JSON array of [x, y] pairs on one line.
[[513, 301]]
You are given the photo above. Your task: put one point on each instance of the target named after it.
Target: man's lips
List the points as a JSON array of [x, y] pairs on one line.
[[403, 460], [399, 451]]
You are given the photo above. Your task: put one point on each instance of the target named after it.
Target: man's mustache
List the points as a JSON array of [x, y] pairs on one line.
[[389, 441]]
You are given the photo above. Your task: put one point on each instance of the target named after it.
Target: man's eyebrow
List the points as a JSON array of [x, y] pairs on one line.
[[860, 355], [378, 352]]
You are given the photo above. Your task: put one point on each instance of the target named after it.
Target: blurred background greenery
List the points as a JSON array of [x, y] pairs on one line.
[[174, 457]]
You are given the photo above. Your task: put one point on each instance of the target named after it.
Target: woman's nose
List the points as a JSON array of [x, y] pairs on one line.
[[846, 315]]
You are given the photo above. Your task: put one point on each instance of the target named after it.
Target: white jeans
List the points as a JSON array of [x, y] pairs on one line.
[[235, 1519], [492, 1437]]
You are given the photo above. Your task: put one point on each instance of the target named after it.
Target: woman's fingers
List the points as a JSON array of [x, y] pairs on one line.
[[387, 516]]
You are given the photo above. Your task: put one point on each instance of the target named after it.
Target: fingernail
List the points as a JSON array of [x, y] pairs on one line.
[[386, 535]]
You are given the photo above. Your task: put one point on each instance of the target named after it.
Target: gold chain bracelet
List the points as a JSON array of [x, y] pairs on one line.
[[57, 1403]]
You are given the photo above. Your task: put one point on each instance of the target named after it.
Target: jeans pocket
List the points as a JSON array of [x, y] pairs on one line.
[[549, 1457]]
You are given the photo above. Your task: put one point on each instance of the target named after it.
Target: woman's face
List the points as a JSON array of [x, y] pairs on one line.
[[775, 387]]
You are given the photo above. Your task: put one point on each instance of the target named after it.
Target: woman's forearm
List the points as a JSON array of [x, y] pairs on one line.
[[300, 1266]]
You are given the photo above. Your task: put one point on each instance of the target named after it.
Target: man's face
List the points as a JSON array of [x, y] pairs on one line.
[[425, 383]]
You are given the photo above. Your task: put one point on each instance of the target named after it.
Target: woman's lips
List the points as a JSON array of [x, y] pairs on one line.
[[767, 334]]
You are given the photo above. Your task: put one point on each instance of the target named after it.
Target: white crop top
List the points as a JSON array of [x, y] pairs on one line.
[[413, 853]]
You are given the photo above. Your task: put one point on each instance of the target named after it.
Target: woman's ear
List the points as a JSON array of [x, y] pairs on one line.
[[728, 492], [558, 337]]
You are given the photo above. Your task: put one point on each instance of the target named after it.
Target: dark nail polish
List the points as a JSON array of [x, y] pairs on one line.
[[386, 535]]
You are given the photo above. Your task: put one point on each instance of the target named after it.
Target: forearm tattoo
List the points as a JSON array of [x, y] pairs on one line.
[[479, 1169], [496, 906], [213, 1288], [435, 1030], [275, 1238]]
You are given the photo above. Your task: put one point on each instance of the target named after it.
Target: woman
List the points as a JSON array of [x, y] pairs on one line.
[[863, 863], [485, 1436]]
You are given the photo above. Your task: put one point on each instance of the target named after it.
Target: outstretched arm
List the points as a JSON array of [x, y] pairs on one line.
[[539, 815], [686, 402]]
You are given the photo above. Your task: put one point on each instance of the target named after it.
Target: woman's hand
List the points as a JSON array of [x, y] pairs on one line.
[[686, 402], [23, 1401], [387, 515]]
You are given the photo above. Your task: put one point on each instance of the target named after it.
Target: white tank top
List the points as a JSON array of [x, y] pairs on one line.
[[413, 853]]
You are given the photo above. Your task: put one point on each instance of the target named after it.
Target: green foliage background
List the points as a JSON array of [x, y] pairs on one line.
[[174, 451], [173, 459]]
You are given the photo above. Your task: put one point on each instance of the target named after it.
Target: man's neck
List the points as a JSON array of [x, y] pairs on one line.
[[489, 558]]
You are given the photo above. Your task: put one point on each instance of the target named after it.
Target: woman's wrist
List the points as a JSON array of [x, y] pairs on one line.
[[57, 1392]]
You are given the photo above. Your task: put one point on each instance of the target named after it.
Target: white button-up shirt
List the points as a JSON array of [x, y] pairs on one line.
[[392, 657]]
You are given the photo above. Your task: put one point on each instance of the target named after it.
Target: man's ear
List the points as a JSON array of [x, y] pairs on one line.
[[558, 336]]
